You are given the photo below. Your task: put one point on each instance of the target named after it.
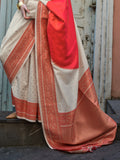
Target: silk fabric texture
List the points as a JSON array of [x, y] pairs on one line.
[[50, 78]]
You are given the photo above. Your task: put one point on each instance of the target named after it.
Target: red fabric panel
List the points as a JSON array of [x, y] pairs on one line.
[[61, 34]]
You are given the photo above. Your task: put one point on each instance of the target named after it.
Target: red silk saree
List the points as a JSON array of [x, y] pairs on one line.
[[50, 78]]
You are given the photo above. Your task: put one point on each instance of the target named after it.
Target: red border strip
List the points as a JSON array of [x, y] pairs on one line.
[[26, 110], [46, 80]]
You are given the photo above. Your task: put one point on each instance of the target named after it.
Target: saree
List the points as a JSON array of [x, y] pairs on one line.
[[51, 80]]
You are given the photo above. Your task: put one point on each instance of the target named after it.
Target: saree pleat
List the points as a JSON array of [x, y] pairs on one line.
[[51, 80]]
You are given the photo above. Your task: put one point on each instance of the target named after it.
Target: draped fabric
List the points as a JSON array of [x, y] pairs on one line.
[[50, 78]]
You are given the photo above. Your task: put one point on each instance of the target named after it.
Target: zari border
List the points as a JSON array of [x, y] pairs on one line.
[[38, 25], [26, 110], [20, 52]]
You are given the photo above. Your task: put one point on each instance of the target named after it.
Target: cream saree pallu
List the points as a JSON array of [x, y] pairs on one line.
[[51, 81]]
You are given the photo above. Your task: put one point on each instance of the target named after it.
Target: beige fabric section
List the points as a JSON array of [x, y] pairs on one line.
[[83, 63], [66, 84], [44, 1], [32, 6], [14, 32], [16, 28], [24, 84]]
